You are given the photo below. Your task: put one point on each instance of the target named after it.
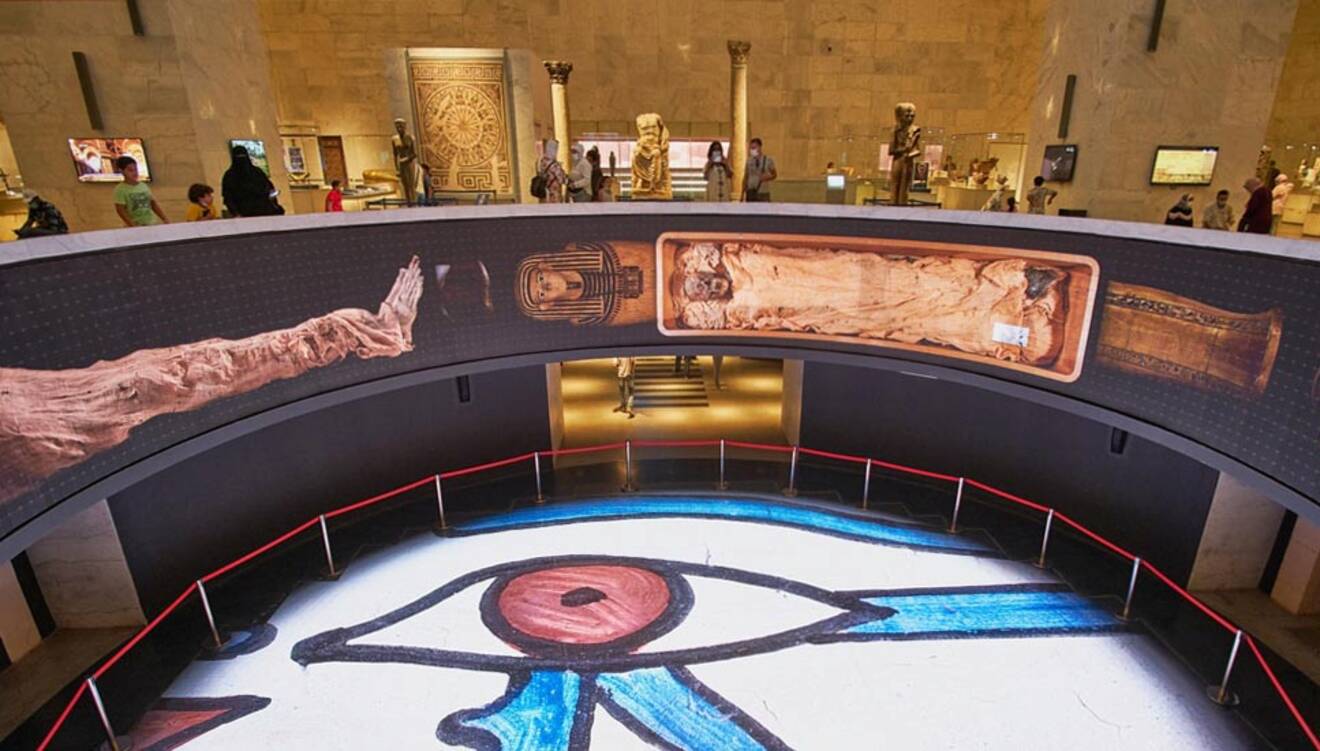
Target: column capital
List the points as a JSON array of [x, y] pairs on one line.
[[738, 51], [558, 70]]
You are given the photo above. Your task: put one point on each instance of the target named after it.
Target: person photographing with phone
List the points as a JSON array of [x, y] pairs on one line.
[[718, 173]]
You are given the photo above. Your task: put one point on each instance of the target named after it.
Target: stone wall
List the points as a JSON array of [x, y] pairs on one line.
[[1210, 82], [820, 71], [186, 87], [1295, 119]]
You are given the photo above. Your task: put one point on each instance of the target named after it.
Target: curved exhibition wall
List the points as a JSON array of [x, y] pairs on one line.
[[126, 351]]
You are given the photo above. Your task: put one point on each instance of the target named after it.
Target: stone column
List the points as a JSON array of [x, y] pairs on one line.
[[738, 113], [559, 70]]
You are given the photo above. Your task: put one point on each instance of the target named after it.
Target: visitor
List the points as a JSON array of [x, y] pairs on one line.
[[133, 200], [201, 203], [1181, 213], [334, 200], [1258, 215], [1218, 215], [428, 190], [1010, 205], [597, 176], [43, 218], [1282, 189], [760, 170], [1039, 196], [579, 179], [246, 189], [550, 174], [718, 173], [998, 201]]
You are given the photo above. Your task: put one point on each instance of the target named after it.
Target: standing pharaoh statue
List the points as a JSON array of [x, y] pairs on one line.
[[904, 147], [405, 160], [650, 160]]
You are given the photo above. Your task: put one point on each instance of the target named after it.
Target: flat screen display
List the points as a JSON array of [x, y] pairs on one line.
[[94, 158], [1059, 162], [835, 181], [1184, 165], [256, 152]]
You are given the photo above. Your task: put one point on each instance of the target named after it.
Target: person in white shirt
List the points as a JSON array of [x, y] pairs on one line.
[[579, 179]]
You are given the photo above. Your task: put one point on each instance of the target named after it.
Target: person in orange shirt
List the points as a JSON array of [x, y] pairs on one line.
[[334, 200]]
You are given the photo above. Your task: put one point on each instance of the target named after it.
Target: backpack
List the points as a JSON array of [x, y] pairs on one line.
[[539, 184]]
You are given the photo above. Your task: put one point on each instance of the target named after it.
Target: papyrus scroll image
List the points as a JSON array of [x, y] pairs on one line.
[[1028, 311], [53, 419]]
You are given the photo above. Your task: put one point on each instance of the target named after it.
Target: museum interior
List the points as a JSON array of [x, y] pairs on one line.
[[959, 361]]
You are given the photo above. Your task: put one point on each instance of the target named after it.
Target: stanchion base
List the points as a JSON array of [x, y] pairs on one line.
[[539, 501], [1039, 565], [440, 530], [209, 647], [326, 576], [628, 488], [1230, 699], [953, 531], [790, 492], [124, 742], [721, 486]]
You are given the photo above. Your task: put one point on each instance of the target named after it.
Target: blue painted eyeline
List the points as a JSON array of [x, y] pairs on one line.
[[539, 717], [970, 614], [767, 512]]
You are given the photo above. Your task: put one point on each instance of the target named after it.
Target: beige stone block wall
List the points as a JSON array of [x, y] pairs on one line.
[[1210, 83], [1295, 118], [198, 77], [820, 72]]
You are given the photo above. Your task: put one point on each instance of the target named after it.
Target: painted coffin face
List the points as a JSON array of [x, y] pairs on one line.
[[686, 623]]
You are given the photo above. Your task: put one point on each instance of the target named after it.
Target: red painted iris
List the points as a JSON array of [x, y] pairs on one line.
[[593, 604]]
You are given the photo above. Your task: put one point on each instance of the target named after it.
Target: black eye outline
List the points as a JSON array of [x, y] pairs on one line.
[[616, 656]]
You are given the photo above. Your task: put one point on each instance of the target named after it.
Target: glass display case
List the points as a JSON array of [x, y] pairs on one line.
[[978, 159]]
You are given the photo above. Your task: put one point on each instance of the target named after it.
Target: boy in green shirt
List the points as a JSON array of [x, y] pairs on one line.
[[133, 200]]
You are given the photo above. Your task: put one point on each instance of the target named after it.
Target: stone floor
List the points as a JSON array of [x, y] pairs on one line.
[[1295, 637], [66, 654]]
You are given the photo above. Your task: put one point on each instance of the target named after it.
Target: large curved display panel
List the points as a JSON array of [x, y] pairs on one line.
[[109, 357]]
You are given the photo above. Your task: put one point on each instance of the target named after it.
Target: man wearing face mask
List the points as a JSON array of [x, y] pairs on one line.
[[579, 179], [551, 174], [760, 170]]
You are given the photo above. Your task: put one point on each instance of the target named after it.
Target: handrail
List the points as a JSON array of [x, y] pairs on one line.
[[777, 448]]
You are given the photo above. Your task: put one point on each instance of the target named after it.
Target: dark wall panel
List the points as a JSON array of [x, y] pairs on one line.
[[1149, 499], [206, 511]]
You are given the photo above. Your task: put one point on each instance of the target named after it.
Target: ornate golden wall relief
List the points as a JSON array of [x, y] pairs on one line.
[[463, 124]]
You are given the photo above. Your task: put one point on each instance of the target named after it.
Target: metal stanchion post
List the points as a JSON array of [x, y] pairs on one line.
[[1126, 615], [722, 485], [210, 617], [957, 505], [628, 485], [1045, 539], [1220, 694], [791, 490], [441, 526], [536, 465], [329, 557], [113, 742], [866, 485]]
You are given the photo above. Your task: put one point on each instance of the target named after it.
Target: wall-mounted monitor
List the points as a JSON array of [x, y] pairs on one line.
[[94, 158], [1059, 162], [1184, 165], [256, 152], [836, 182]]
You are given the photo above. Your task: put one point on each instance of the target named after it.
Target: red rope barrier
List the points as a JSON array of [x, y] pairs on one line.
[[59, 722], [488, 465], [1283, 693], [761, 446], [583, 449], [1007, 496], [378, 498], [273, 543], [1097, 538], [674, 444], [1217, 618], [147, 629], [128, 645]]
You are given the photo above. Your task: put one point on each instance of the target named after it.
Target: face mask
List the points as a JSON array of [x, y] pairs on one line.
[[755, 152], [717, 158]]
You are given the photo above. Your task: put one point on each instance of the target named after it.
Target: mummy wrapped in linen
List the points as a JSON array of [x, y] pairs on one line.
[[1021, 311], [53, 419]]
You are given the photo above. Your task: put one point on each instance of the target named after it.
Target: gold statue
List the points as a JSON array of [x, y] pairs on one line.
[[405, 160], [650, 161], [905, 147]]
